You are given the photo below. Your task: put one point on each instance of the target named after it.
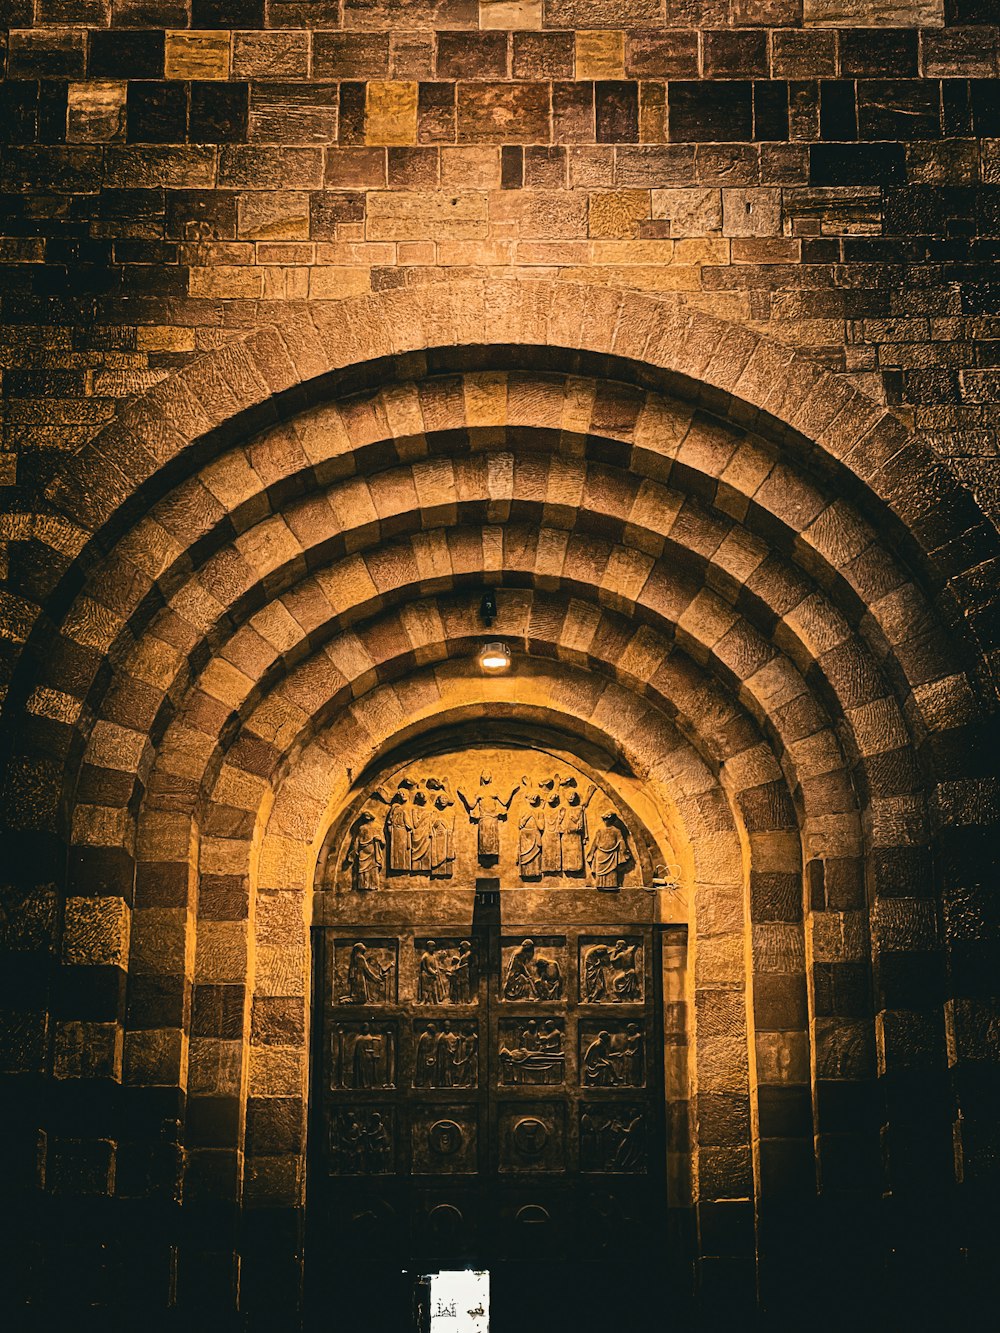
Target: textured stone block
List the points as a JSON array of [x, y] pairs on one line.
[[501, 113], [751, 212], [874, 13], [600, 55], [197, 55], [96, 111], [96, 932], [391, 113]]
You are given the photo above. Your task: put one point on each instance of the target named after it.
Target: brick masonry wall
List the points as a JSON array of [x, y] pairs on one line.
[[176, 169]]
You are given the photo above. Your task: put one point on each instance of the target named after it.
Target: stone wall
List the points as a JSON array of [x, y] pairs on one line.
[[177, 171], [681, 332]]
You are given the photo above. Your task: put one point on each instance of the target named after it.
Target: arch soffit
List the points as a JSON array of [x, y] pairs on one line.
[[240, 387]]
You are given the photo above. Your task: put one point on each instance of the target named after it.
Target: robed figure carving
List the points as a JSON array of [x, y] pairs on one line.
[[608, 853], [486, 811], [530, 833], [573, 831], [442, 833], [399, 827], [421, 825], [367, 853]]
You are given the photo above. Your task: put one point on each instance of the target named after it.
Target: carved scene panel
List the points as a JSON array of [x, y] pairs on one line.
[[445, 1054], [364, 1055], [611, 970], [532, 1137], [366, 971], [445, 971], [613, 1137], [362, 1141], [612, 1055], [536, 818], [531, 1052], [533, 968]]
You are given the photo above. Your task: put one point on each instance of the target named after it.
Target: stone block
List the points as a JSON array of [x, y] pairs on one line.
[[754, 212], [197, 55], [95, 111], [510, 14], [503, 113], [873, 13], [690, 212], [96, 932], [600, 55], [391, 113], [617, 212], [87, 1050]]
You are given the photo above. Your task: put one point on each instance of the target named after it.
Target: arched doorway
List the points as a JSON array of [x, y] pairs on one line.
[[495, 937], [712, 561]]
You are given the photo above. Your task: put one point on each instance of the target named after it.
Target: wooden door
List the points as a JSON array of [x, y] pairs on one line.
[[485, 1095]]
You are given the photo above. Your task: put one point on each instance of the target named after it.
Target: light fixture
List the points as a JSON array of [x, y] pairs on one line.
[[494, 657]]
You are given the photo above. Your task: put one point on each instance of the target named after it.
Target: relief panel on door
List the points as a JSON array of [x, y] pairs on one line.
[[531, 1052], [364, 1055], [445, 971], [444, 1140], [366, 971], [612, 1055], [362, 1141], [613, 1137], [611, 970], [532, 1136], [533, 968], [445, 1054]]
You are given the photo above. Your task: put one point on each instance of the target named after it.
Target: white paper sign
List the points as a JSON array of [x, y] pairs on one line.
[[460, 1302]]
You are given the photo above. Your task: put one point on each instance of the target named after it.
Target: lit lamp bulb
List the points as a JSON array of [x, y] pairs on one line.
[[494, 657]]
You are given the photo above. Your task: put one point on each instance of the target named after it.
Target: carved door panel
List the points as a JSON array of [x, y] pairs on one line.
[[491, 1096]]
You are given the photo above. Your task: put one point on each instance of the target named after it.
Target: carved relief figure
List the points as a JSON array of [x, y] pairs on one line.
[[612, 1140], [367, 853], [518, 982], [399, 827], [551, 857], [573, 832], [425, 1057], [460, 975], [598, 1070], [531, 830], [486, 811], [612, 973], [608, 853], [368, 979], [533, 1056], [442, 833], [548, 979], [446, 1056], [420, 835], [364, 1056], [626, 982], [594, 982], [360, 1143], [430, 982]]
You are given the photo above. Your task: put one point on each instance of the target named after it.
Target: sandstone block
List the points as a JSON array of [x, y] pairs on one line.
[[617, 212], [95, 111], [600, 55], [874, 13], [510, 14], [751, 212], [391, 113], [197, 55]]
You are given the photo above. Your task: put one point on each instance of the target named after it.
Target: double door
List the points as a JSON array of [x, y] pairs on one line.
[[485, 1095]]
